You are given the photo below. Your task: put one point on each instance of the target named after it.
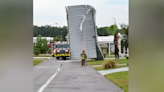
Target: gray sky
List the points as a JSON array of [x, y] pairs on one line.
[[50, 12]]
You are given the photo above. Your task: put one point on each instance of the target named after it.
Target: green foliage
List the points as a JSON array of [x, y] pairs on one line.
[[49, 51], [102, 31], [112, 29], [109, 64], [41, 45], [36, 51], [124, 31], [50, 31], [58, 32], [44, 46], [56, 39]]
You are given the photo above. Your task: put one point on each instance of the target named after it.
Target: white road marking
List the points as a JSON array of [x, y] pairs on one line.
[[50, 79]]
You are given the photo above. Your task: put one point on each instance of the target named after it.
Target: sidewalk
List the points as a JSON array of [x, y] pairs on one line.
[[74, 78], [104, 72]]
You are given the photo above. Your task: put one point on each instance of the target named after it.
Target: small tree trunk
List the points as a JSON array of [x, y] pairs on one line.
[[115, 44]]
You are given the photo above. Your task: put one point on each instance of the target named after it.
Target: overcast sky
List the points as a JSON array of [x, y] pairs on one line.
[[50, 12]]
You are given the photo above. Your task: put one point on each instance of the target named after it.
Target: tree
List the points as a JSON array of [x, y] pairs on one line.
[[124, 31], [36, 51], [39, 42], [44, 46], [102, 31], [112, 29], [50, 31], [56, 39], [41, 45], [61, 32]]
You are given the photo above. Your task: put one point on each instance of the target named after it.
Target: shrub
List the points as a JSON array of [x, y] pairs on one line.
[[113, 63], [36, 51], [109, 64], [49, 51], [106, 65]]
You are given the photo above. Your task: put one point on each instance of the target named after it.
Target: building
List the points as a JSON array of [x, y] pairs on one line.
[[108, 41]]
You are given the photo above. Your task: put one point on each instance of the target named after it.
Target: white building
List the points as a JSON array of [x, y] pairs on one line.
[[108, 41], [48, 39]]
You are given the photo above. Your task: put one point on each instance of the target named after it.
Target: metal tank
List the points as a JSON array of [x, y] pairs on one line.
[[82, 32]]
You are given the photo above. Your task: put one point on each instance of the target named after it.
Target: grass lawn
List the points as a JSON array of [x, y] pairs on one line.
[[101, 68], [43, 55], [97, 62], [100, 62], [37, 61], [120, 79], [110, 56], [122, 61]]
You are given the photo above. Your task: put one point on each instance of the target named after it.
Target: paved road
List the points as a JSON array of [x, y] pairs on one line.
[[43, 71], [71, 78]]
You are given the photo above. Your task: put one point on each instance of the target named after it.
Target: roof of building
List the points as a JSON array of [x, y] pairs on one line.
[[105, 38], [109, 38], [48, 38]]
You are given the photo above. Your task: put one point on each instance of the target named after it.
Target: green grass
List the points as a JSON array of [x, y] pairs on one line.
[[97, 62], [101, 68], [110, 56], [120, 79], [123, 61], [37, 61], [100, 62], [43, 55]]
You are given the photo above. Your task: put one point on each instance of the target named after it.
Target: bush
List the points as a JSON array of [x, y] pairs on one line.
[[36, 51], [109, 64], [49, 51]]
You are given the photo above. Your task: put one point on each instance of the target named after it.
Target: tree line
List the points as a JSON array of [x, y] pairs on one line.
[[60, 32], [49, 31]]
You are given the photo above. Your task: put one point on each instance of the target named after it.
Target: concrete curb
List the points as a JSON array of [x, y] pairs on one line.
[[41, 57]]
